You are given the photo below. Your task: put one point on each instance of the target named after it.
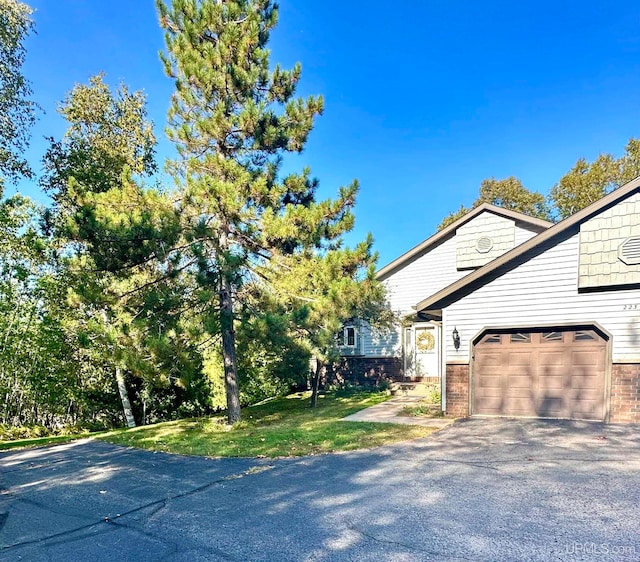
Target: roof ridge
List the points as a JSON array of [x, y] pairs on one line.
[[584, 214], [441, 234]]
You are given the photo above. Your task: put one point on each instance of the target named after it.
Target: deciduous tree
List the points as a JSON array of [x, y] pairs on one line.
[[508, 193], [17, 110], [587, 182], [113, 228]]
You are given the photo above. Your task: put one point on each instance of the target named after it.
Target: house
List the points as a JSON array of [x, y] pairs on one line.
[[517, 317], [414, 348], [552, 327]]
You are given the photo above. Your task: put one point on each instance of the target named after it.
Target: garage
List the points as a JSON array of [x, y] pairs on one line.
[[540, 372]]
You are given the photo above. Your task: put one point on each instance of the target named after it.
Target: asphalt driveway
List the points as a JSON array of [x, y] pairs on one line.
[[478, 490]]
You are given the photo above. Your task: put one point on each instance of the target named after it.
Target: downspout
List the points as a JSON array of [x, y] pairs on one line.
[[443, 366]]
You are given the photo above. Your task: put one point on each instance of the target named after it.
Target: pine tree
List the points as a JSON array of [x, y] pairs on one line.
[[232, 119]]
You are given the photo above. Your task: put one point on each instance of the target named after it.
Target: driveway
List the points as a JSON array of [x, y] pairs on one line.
[[479, 490]]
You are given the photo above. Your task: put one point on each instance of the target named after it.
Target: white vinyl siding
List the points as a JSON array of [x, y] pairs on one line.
[[542, 291], [523, 234], [380, 342], [417, 280], [422, 277], [432, 272]]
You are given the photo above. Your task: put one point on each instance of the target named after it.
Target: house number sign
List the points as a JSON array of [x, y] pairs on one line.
[[631, 307]]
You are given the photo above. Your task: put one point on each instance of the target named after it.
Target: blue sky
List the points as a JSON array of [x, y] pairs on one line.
[[423, 99]]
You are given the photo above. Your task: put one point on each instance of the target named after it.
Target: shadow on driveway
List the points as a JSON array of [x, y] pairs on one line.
[[483, 489]]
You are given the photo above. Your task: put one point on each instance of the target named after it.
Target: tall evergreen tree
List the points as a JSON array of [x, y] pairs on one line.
[[232, 118]]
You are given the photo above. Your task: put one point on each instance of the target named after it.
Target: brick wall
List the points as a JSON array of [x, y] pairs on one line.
[[625, 393], [457, 390], [364, 370]]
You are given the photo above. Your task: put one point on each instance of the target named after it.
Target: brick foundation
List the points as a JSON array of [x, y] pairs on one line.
[[457, 390], [367, 370], [625, 393]]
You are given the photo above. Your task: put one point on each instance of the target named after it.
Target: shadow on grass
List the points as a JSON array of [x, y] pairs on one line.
[[279, 428]]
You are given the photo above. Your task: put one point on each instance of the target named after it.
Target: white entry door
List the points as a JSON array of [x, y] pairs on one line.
[[421, 351]]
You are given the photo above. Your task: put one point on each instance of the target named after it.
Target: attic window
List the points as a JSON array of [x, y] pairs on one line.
[[629, 251], [484, 244]]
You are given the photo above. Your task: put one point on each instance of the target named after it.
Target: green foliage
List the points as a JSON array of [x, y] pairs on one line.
[[347, 388], [584, 184], [587, 182], [508, 193], [321, 291], [270, 360], [113, 231], [426, 409], [16, 109], [453, 217], [244, 227]]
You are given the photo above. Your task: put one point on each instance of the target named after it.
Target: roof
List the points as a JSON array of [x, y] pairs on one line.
[[421, 248], [538, 243]]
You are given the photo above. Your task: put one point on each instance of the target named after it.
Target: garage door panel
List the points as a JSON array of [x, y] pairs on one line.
[[588, 411], [552, 372], [584, 394], [558, 376], [491, 359], [490, 381], [525, 381], [490, 393], [493, 405], [586, 358], [580, 383], [551, 382], [551, 406], [519, 359], [552, 358]]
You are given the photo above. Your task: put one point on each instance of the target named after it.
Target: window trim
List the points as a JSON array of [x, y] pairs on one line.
[[345, 336]]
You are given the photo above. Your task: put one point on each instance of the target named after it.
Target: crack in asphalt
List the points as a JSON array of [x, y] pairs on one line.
[[161, 503]]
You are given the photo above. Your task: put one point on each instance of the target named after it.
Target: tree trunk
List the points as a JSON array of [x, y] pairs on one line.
[[315, 382], [126, 405], [229, 352]]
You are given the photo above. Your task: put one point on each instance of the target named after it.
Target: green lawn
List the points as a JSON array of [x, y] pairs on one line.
[[277, 428], [40, 441]]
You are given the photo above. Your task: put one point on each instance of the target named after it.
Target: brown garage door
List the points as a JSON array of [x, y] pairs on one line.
[[551, 373]]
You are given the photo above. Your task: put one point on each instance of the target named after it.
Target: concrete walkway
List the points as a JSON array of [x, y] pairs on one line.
[[389, 412]]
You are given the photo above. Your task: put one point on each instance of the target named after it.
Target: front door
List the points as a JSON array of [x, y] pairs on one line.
[[421, 351]]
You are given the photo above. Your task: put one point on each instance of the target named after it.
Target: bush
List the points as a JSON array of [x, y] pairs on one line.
[[347, 388], [31, 431]]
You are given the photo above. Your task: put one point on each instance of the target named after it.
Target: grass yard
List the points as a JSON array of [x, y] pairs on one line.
[[40, 441], [281, 427]]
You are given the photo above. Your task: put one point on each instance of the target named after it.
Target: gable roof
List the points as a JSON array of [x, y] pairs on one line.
[[534, 246], [423, 247]]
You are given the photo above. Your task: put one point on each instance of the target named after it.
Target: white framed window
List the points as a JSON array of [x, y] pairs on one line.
[[349, 336]]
